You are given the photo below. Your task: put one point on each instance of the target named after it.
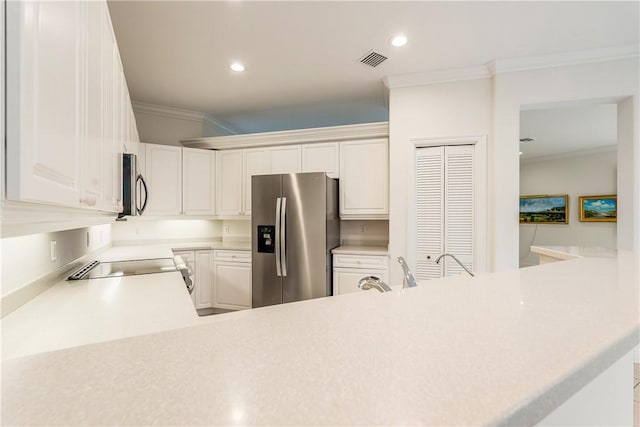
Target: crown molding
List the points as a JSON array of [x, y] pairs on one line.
[[178, 113], [475, 72], [570, 154], [288, 137], [605, 54]]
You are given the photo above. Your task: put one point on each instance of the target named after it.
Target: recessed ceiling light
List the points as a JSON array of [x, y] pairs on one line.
[[236, 66], [520, 153], [398, 41]]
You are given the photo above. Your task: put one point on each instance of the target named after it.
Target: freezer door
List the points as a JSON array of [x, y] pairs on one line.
[[304, 246], [266, 285]]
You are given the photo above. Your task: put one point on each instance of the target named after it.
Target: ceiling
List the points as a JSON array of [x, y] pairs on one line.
[[567, 130], [302, 58]]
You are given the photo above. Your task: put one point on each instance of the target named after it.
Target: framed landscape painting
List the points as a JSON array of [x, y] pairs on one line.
[[599, 208], [544, 209]]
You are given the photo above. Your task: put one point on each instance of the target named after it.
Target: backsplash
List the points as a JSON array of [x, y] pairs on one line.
[[138, 231], [364, 233], [27, 258]]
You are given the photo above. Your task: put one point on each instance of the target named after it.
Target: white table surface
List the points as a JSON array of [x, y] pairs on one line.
[[503, 348]]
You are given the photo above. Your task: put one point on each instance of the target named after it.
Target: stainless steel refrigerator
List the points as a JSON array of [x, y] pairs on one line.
[[295, 224]]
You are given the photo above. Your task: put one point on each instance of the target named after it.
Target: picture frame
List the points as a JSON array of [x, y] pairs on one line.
[[599, 208], [544, 209]]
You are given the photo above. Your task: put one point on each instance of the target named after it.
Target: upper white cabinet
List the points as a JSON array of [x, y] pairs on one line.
[[324, 157], [285, 159], [254, 162], [364, 179], [67, 101], [229, 182], [163, 168], [198, 181]]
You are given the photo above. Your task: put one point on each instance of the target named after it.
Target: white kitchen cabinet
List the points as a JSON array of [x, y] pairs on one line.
[[349, 269], [255, 162], [285, 159], [64, 72], [163, 173], [204, 272], [323, 157], [229, 183], [200, 263], [198, 181], [232, 279], [364, 179]]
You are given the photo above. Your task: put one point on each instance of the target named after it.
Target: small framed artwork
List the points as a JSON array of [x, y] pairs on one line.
[[544, 209], [599, 208]]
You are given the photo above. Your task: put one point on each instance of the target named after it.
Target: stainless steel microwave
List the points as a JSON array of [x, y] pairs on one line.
[[134, 188]]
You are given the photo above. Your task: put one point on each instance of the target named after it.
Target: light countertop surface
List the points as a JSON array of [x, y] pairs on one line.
[[89, 311], [360, 250], [501, 348], [571, 252]]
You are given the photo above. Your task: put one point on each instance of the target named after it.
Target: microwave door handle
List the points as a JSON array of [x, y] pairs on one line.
[[277, 237], [146, 195]]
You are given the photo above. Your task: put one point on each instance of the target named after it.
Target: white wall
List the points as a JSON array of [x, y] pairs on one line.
[[436, 111], [587, 174], [364, 233], [604, 80], [139, 231], [26, 258]]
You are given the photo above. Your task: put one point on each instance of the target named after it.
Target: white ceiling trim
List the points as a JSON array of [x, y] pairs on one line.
[[570, 154], [216, 123], [288, 137], [437, 76], [611, 53], [161, 110], [499, 66]]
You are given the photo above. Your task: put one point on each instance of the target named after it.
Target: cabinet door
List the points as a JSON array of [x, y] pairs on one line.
[[286, 159], [112, 181], [189, 258], [198, 185], [255, 162], [321, 158], [232, 285], [163, 165], [44, 101], [229, 182], [364, 179], [204, 274], [345, 280]]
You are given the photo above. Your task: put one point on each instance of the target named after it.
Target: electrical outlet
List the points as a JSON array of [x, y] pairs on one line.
[[54, 251], [227, 229], [362, 229]]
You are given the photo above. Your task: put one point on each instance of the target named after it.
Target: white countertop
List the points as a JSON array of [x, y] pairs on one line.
[[360, 250], [572, 252], [503, 348], [82, 312]]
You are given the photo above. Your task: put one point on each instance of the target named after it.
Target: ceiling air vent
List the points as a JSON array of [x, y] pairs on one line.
[[373, 59]]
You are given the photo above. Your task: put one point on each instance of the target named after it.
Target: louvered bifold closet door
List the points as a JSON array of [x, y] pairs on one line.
[[458, 207], [430, 211]]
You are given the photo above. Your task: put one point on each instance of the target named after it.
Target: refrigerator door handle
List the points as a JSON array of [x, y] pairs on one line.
[[283, 237], [277, 237]]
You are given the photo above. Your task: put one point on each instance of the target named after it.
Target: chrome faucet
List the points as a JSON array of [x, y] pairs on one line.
[[457, 260], [409, 280], [374, 282]]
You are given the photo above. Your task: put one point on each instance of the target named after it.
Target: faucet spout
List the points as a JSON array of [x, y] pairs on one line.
[[456, 260], [373, 282], [409, 280]]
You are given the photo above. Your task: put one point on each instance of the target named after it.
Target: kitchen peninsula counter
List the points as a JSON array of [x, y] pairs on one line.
[[498, 349]]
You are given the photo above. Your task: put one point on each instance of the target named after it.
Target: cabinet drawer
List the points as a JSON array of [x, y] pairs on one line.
[[189, 257], [361, 261], [234, 256]]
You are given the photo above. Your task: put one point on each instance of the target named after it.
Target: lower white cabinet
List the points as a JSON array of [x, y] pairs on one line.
[[232, 279], [201, 265], [349, 269]]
